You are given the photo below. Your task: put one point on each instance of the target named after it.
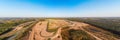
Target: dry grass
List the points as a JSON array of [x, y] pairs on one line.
[[71, 34], [54, 24]]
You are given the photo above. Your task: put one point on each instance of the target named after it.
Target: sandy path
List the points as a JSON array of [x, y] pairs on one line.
[[39, 32], [40, 28], [34, 34]]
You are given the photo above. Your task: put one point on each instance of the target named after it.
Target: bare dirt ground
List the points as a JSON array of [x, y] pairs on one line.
[[39, 31]]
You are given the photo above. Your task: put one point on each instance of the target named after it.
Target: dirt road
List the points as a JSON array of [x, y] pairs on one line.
[[39, 31]]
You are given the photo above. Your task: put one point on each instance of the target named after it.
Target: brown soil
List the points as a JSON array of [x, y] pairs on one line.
[[39, 32]]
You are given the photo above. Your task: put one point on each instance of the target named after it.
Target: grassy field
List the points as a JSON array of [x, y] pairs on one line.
[[54, 24]]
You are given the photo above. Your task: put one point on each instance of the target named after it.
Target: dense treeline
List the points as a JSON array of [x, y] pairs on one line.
[[110, 24]]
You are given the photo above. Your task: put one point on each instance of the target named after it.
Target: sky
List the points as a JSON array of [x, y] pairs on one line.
[[59, 8]]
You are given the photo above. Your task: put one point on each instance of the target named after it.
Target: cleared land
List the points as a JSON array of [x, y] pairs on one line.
[[60, 29]]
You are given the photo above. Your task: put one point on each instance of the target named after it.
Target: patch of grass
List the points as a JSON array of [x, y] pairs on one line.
[[71, 34], [52, 30], [49, 38], [66, 27]]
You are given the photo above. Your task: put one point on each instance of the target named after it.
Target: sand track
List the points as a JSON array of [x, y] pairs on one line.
[[39, 32], [40, 29]]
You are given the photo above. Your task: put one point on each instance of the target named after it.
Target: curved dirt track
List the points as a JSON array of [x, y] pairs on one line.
[[39, 31]]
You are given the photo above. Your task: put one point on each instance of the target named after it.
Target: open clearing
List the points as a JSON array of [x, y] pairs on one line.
[[52, 29]]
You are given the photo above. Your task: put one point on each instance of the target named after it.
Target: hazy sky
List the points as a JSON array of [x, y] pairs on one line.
[[59, 8]]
